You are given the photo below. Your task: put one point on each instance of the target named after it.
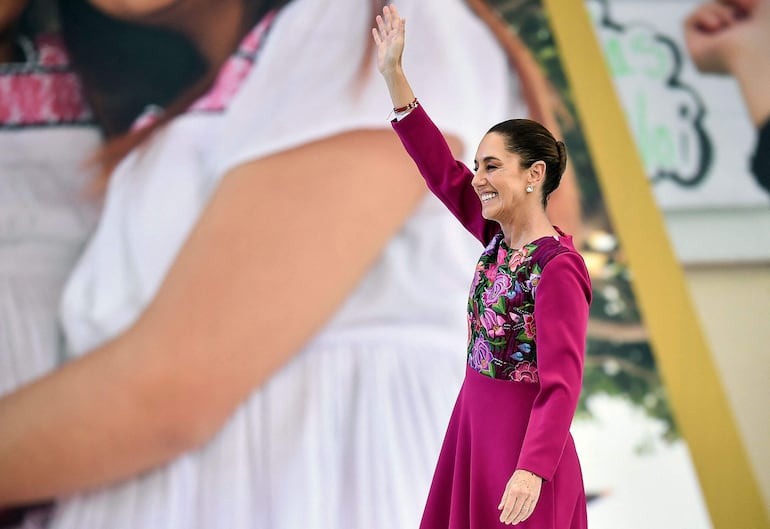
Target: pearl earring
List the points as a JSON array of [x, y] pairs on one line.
[[530, 188]]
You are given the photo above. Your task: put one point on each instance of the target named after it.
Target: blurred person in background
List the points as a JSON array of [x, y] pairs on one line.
[[733, 37], [257, 332], [47, 132]]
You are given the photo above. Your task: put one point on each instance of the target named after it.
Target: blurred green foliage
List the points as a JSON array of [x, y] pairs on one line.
[[619, 359]]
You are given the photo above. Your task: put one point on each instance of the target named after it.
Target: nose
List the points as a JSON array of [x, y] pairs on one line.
[[478, 179]]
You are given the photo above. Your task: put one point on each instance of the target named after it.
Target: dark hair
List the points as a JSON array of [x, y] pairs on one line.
[[533, 142], [126, 66], [39, 16]]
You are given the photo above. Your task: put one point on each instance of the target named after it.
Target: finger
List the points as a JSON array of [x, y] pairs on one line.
[[743, 7], [726, 14], [388, 17], [712, 17], [507, 503], [529, 507], [503, 499], [523, 510], [376, 36], [396, 17], [511, 505], [381, 27], [516, 511]]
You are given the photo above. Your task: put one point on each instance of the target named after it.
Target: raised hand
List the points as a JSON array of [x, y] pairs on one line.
[[389, 38], [718, 33]]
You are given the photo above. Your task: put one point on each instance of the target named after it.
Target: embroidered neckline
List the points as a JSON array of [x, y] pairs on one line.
[[229, 79], [42, 91]]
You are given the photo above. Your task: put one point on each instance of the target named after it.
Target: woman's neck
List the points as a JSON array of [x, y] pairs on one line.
[[214, 27], [527, 227]]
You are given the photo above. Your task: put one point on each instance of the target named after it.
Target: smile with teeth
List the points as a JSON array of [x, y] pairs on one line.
[[487, 196]]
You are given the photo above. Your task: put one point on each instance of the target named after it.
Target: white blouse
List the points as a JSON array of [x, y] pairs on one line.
[[347, 434], [46, 214]]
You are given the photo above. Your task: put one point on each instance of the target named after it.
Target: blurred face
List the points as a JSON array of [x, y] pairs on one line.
[[500, 182], [10, 11]]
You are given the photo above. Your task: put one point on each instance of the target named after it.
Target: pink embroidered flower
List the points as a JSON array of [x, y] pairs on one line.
[[51, 52], [525, 372], [491, 272], [481, 355], [529, 325], [499, 287], [518, 258], [493, 323], [41, 98], [514, 317], [228, 82], [501, 255]]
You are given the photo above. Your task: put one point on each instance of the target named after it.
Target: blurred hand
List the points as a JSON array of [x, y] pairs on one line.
[[718, 33], [389, 38], [520, 497]]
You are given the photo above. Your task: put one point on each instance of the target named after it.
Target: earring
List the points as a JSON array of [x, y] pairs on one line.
[[530, 188]]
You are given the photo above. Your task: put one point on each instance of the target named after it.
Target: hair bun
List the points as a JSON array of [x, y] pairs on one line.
[[562, 151]]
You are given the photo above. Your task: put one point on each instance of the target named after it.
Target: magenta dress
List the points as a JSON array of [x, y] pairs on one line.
[[527, 318]]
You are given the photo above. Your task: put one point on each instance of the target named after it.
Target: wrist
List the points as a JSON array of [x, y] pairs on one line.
[[531, 473], [393, 71], [752, 71]]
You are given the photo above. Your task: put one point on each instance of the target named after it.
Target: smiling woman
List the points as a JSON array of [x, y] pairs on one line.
[[516, 157], [253, 332], [508, 436]]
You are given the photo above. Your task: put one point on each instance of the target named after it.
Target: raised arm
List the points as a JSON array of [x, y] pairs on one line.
[[282, 243], [447, 178], [733, 37]]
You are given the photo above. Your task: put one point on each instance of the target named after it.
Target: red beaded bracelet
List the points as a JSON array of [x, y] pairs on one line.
[[410, 106]]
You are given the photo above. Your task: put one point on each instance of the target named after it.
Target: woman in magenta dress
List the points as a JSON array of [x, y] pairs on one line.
[[508, 456]]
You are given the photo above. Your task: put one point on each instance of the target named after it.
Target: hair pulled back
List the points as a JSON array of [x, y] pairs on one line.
[[532, 142]]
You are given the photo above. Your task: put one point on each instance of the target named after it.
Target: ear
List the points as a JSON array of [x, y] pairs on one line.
[[536, 173]]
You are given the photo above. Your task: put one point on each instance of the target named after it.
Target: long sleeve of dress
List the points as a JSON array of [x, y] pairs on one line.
[[760, 164], [447, 178], [561, 316]]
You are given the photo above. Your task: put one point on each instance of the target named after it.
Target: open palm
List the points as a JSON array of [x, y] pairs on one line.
[[389, 38]]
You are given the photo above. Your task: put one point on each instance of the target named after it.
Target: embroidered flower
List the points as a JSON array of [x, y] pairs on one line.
[[481, 356], [493, 323], [502, 330], [517, 296], [491, 272], [534, 280], [501, 253], [490, 249], [529, 325], [525, 372], [500, 286], [518, 258]]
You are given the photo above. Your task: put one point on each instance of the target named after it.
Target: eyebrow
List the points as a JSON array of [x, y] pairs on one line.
[[487, 159]]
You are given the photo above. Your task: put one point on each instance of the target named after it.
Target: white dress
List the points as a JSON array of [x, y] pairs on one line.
[[46, 134], [348, 433]]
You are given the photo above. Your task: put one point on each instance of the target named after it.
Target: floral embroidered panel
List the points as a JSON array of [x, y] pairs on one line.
[[501, 308]]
